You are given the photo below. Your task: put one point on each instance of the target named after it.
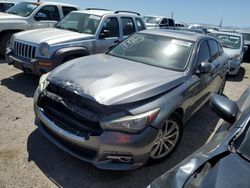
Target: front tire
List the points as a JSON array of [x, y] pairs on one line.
[[168, 139], [4, 42]]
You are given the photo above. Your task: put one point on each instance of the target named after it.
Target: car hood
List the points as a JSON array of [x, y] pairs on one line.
[[109, 80], [232, 52], [5, 16], [51, 36]]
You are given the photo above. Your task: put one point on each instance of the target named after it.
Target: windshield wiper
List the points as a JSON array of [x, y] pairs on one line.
[[72, 29], [59, 27], [15, 13]]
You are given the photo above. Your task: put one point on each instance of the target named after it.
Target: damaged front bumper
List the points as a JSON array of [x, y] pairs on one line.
[[112, 150], [34, 66]]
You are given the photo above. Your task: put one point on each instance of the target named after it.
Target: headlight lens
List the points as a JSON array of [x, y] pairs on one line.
[[12, 40], [43, 83], [132, 123], [44, 49]]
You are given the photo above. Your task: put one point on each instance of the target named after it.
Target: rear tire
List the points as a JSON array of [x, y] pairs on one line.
[[168, 139], [4, 41]]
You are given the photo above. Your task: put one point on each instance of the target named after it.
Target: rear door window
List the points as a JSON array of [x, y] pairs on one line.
[[128, 26], [67, 10]]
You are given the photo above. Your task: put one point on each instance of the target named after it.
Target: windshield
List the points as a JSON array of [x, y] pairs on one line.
[[23, 9], [80, 22], [151, 19], [155, 50], [228, 41], [242, 143]]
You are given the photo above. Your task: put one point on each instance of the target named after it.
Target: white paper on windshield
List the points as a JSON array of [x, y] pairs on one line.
[[95, 17], [182, 43]]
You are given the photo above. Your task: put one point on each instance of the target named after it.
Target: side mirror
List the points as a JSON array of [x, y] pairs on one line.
[[40, 16], [245, 48], [204, 67], [224, 108], [104, 34]]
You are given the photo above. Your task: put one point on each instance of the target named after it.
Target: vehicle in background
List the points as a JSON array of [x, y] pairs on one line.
[[246, 36], [198, 26], [191, 30], [79, 34], [5, 5], [126, 107], [224, 161], [180, 25], [30, 15], [233, 45], [159, 22]]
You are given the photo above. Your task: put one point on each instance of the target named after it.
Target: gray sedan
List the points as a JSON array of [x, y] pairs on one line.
[[127, 107]]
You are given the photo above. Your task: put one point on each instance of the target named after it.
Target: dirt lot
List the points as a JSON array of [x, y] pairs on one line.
[[29, 160]]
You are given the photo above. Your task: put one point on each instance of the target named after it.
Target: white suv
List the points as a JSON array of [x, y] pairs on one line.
[[30, 15]]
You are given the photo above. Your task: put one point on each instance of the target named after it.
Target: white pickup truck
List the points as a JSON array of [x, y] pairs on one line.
[[30, 15]]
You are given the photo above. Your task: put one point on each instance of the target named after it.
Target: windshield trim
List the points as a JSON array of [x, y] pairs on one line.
[[178, 70]]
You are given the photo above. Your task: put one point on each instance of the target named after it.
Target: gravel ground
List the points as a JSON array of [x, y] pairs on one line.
[[29, 160]]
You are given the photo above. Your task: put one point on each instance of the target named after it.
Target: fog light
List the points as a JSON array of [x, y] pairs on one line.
[[42, 63], [122, 157]]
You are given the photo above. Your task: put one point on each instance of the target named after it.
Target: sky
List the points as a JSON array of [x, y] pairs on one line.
[[233, 13]]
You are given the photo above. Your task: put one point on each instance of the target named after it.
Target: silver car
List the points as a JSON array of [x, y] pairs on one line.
[[233, 45], [123, 108]]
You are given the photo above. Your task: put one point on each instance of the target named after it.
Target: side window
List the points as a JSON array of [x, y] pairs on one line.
[[112, 26], [164, 22], [214, 49], [128, 26], [67, 10], [48, 13], [203, 54], [220, 48], [140, 24], [171, 22]]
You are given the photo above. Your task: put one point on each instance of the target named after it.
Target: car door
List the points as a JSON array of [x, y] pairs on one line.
[[46, 17], [109, 34], [218, 65], [199, 88]]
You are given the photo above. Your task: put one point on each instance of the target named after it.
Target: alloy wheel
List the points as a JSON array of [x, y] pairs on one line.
[[166, 140]]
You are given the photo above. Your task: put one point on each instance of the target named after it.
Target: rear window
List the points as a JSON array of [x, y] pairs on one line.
[[128, 26], [67, 10]]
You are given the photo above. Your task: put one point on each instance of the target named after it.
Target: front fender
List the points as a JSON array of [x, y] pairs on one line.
[[6, 25], [60, 55]]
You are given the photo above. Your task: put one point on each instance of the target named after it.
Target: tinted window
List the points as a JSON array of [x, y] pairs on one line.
[[5, 6], [128, 26], [214, 49], [155, 50], [203, 54], [164, 22], [51, 13], [67, 10], [111, 24], [140, 24], [220, 49], [171, 22]]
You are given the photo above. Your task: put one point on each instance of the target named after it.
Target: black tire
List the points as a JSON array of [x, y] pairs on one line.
[[176, 119], [3, 42]]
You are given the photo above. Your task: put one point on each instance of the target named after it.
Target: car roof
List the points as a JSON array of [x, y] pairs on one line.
[[243, 31], [102, 12], [227, 33], [185, 35], [52, 3]]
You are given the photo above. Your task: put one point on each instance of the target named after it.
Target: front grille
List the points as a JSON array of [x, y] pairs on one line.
[[68, 120], [24, 50]]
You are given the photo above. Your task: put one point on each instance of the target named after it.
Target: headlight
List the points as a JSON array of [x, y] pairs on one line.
[[44, 49], [43, 83], [134, 123], [12, 40]]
